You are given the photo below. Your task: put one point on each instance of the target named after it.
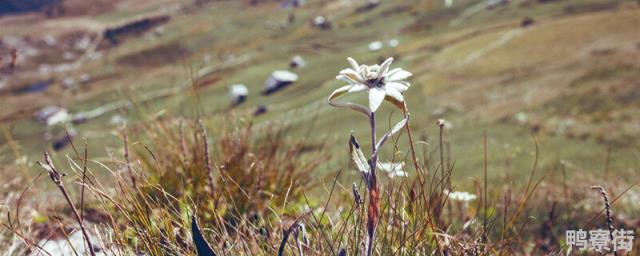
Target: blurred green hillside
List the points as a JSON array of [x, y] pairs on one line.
[[565, 72]]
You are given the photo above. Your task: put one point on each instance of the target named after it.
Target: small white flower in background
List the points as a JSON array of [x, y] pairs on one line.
[[378, 80], [444, 124], [393, 169], [462, 196]]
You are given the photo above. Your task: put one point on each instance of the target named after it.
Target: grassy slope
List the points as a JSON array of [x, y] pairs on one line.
[[485, 69]]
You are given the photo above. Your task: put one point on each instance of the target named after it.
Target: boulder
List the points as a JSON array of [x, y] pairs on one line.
[[278, 80], [238, 93], [297, 62], [52, 115]]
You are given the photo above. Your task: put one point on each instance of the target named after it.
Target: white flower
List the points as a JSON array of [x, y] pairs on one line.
[[378, 80], [393, 169], [462, 196]]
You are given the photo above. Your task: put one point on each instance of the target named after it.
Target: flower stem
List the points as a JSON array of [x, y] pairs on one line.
[[373, 211], [374, 158]]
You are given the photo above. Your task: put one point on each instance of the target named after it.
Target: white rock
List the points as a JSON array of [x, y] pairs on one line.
[[448, 3], [68, 56], [375, 46], [68, 82], [393, 43], [117, 120], [278, 80], [50, 40], [319, 20], [297, 62], [52, 115], [238, 93], [64, 247], [83, 43], [85, 78]]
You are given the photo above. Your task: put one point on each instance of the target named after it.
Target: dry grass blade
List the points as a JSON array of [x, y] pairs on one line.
[[288, 232]]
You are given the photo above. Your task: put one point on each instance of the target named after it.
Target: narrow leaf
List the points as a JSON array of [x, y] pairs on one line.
[[396, 128], [358, 156], [202, 247]]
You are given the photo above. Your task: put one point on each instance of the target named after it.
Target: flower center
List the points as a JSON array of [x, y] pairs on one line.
[[375, 82]]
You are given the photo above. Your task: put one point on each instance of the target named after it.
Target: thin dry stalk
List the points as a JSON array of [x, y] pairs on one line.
[[207, 162], [84, 179], [484, 198], [126, 157], [55, 177], [288, 232], [608, 214]]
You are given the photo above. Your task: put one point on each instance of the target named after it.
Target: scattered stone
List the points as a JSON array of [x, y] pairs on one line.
[[297, 62], [260, 110], [321, 22], [50, 40], [64, 140], [393, 43], [52, 115], [117, 120], [38, 86], [448, 3], [23, 6], [114, 36], [68, 83], [278, 80], [158, 32], [527, 21], [375, 46], [491, 4], [522, 117], [293, 3], [83, 44], [291, 18], [371, 4], [79, 118], [85, 78], [238, 94], [206, 58], [68, 56]]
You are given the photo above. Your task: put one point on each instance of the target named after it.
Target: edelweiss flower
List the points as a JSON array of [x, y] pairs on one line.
[[380, 82], [393, 169]]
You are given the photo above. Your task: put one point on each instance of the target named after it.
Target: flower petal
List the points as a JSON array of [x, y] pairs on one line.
[[340, 91], [394, 101], [384, 67], [346, 79], [358, 88], [376, 96], [394, 94], [354, 64], [398, 86], [351, 74], [398, 75]]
